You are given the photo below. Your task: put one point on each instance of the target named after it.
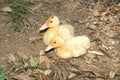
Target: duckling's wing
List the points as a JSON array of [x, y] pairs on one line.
[[82, 41], [70, 28], [85, 42], [65, 31], [79, 45], [78, 51]]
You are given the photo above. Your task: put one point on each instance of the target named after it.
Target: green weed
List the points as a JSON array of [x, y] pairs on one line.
[[26, 64], [2, 75], [18, 14]]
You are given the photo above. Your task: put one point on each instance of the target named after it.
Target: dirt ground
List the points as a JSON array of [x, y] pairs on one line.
[[98, 19]]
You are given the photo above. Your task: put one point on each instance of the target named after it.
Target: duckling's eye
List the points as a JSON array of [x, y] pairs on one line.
[[54, 42], [51, 21]]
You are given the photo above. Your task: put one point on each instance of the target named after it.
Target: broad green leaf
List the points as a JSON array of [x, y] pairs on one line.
[[41, 67], [2, 75], [32, 62]]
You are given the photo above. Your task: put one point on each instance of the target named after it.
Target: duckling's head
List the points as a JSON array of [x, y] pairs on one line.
[[55, 42], [51, 22]]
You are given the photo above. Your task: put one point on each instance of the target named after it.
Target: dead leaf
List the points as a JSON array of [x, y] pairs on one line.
[[104, 46], [42, 74], [93, 27], [41, 59], [64, 75], [47, 72], [36, 7], [6, 9], [70, 68], [43, 77], [22, 76], [21, 54], [111, 74], [95, 52], [47, 61], [35, 38], [29, 71], [100, 79], [44, 59], [11, 57], [41, 52], [103, 14], [59, 74], [72, 75], [96, 13]]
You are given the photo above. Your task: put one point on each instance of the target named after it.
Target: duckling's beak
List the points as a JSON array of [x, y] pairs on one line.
[[49, 47], [43, 27]]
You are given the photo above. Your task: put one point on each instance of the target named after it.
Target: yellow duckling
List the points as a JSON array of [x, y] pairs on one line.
[[64, 31], [74, 47]]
